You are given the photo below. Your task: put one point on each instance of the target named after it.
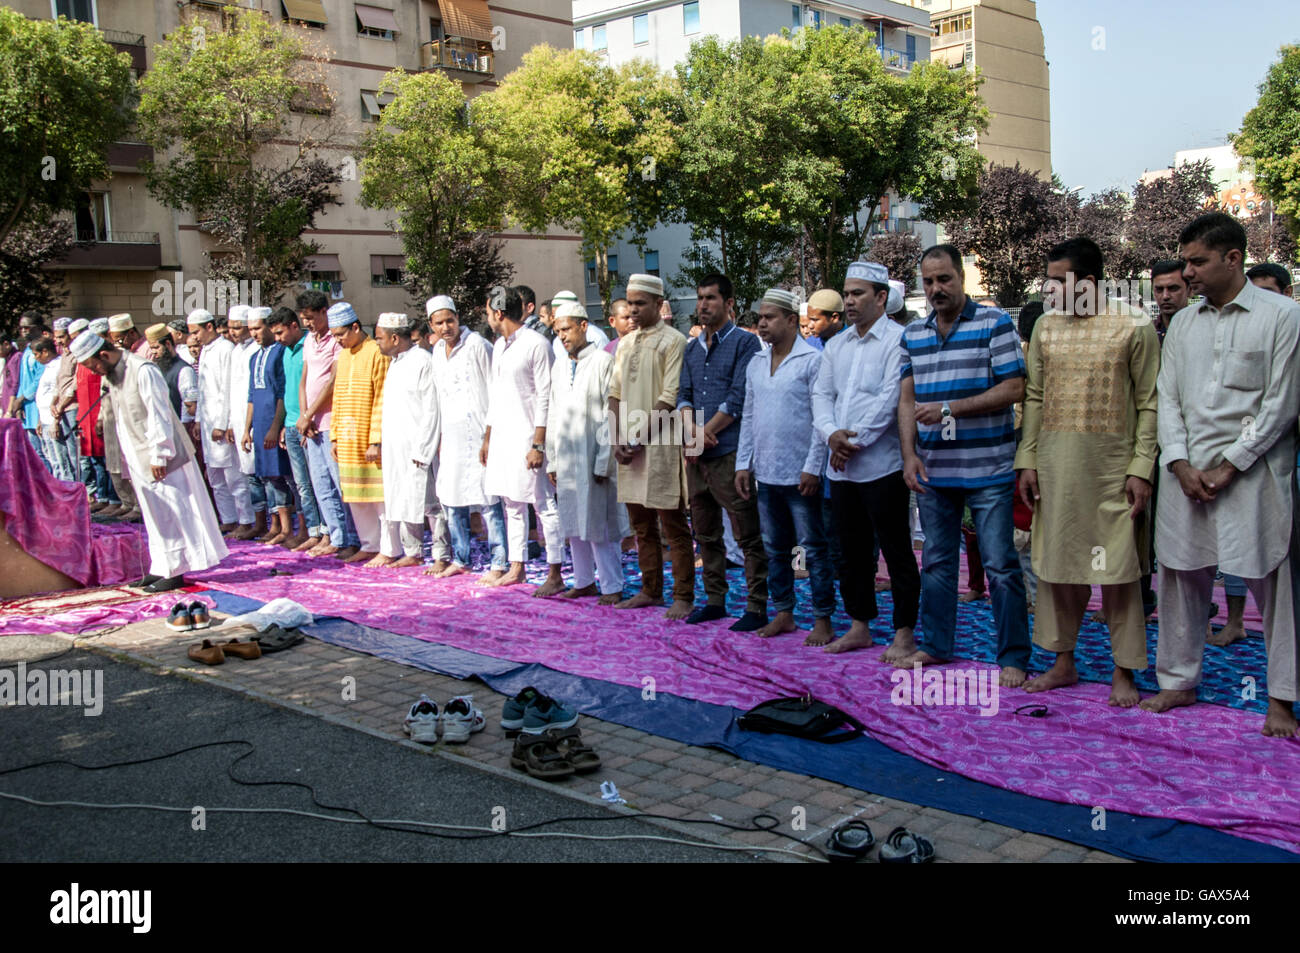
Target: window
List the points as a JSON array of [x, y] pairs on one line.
[[313, 98], [372, 104], [376, 22], [387, 271], [305, 13], [815, 19], [691, 18], [796, 16], [652, 263], [598, 38], [83, 10], [579, 39], [591, 271], [911, 48], [435, 29], [641, 29], [611, 262], [845, 21], [92, 219]]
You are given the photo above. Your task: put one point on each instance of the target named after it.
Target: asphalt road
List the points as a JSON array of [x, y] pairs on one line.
[[146, 714]]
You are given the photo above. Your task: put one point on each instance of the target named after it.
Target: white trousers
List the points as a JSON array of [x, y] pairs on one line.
[[441, 535], [517, 529], [591, 558], [230, 492], [368, 518], [401, 539]]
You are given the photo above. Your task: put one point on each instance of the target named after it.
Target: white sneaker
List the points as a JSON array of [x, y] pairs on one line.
[[460, 719], [422, 721]]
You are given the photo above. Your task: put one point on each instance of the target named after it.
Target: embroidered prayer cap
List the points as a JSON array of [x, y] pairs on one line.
[[871, 271], [178, 325], [62, 324], [98, 326], [237, 316], [158, 332], [77, 326], [562, 298], [439, 303], [895, 302], [393, 321], [570, 309], [120, 322], [259, 314], [200, 316], [341, 314], [826, 299], [85, 346], [647, 283], [785, 300]]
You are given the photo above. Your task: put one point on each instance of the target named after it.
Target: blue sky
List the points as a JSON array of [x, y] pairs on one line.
[[1171, 75]]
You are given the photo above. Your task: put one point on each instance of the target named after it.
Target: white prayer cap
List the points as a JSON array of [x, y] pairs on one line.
[[783, 299], [98, 326], [439, 303], [85, 345], [238, 314], [393, 321], [120, 322], [564, 297], [570, 309], [871, 271], [341, 314], [259, 314], [77, 326], [895, 302], [61, 324], [200, 316], [647, 283]]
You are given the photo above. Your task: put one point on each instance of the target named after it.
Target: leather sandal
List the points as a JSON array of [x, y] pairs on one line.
[[245, 650], [207, 653], [537, 755], [568, 742]]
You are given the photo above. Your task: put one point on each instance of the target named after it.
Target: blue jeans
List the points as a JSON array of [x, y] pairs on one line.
[[256, 492], [56, 452], [302, 479], [324, 470], [95, 475], [788, 517], [39, 446], [458, 527], [1234, 585], [275, 492], [991, 508]]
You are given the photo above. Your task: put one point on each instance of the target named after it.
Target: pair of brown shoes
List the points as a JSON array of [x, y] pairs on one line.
[[215, 653]]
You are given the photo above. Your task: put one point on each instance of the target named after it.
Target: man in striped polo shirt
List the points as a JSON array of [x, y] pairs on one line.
[[962, 372]]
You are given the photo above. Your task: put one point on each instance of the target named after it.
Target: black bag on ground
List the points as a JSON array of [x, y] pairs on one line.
[[802, 718]]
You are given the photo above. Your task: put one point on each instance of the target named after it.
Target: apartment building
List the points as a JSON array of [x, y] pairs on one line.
[[662, 32], [137, 241]]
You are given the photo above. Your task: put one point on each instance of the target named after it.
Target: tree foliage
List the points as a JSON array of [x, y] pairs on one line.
[[242, 113], [900, 252], [1270, 134], [65, 96], [1269, 236], [25, 283], [1162, 208]]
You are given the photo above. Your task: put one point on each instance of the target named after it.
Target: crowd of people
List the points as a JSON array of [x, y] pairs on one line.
[[1066, 449]]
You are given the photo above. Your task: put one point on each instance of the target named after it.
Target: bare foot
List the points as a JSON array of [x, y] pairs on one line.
[[291, 543], [324, 549], [1011, 677], [406, 561], [553, 585], [882, 585], [1168, 698], [437, 568], [347, 552], [1123, 689], [490, 577], [452, 570], [225, 528], [679, 609], [821, 633], [639, 601], [378, 561], [801, 574], [1099, 616], [972, 595], [512, 577], [904, 644], [310, 543], [275, 540], [579, 593], [920, 657], [1234, 631], [361, 556], [1280, 721], [783, 622], [858, 637], [244, 532], [610, 599], [1061, 673], [268, 536]]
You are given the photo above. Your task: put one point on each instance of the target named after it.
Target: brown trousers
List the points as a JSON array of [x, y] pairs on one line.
[[646, 525], [712, 488]]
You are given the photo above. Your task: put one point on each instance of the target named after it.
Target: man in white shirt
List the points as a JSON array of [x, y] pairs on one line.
[[855, 409], [594, 334], [229, 490], [783, 454], [240, 370]]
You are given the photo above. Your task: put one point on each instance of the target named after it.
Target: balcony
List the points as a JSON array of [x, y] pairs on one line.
[[469, 60], [121, 251], [130, 43], [127, 156], [896, 60], [950, 39]]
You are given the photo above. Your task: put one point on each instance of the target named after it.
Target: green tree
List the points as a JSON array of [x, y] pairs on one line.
[[430, 165], [582, 146], [65, 95], [26, 283], [1270, 134], [1162, 207], [900, 252], [242, 113]]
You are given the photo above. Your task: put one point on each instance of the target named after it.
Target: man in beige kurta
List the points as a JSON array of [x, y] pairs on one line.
[[1228, 405], [648, 447], [1086, 459]]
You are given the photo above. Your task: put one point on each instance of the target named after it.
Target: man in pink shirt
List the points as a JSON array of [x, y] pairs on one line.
[[621, 321], [320, 354]]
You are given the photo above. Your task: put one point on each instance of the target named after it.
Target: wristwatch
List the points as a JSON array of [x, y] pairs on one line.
[[945, 412], [539, 448]]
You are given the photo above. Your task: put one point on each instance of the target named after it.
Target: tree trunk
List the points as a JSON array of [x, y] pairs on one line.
[[602, 277]]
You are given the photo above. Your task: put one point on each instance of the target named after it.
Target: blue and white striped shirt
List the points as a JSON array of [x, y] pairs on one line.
[[981, 351]]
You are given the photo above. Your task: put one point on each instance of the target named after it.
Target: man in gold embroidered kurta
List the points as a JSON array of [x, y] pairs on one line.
[[1089, 441]]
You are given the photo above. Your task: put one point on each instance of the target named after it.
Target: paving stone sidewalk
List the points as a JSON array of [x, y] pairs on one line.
[[653, 774]]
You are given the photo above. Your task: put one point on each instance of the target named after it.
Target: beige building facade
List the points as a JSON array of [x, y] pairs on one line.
[[141, 247]]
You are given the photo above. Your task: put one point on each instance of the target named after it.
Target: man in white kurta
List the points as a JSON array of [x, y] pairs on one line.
[[462, 364], [514, 444], [240, 372], [409, 430], [182, 528], [1227, 416], [213, 417], [580, 461]]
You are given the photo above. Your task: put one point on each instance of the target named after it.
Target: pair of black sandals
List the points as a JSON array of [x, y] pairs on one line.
[[853, 840]]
